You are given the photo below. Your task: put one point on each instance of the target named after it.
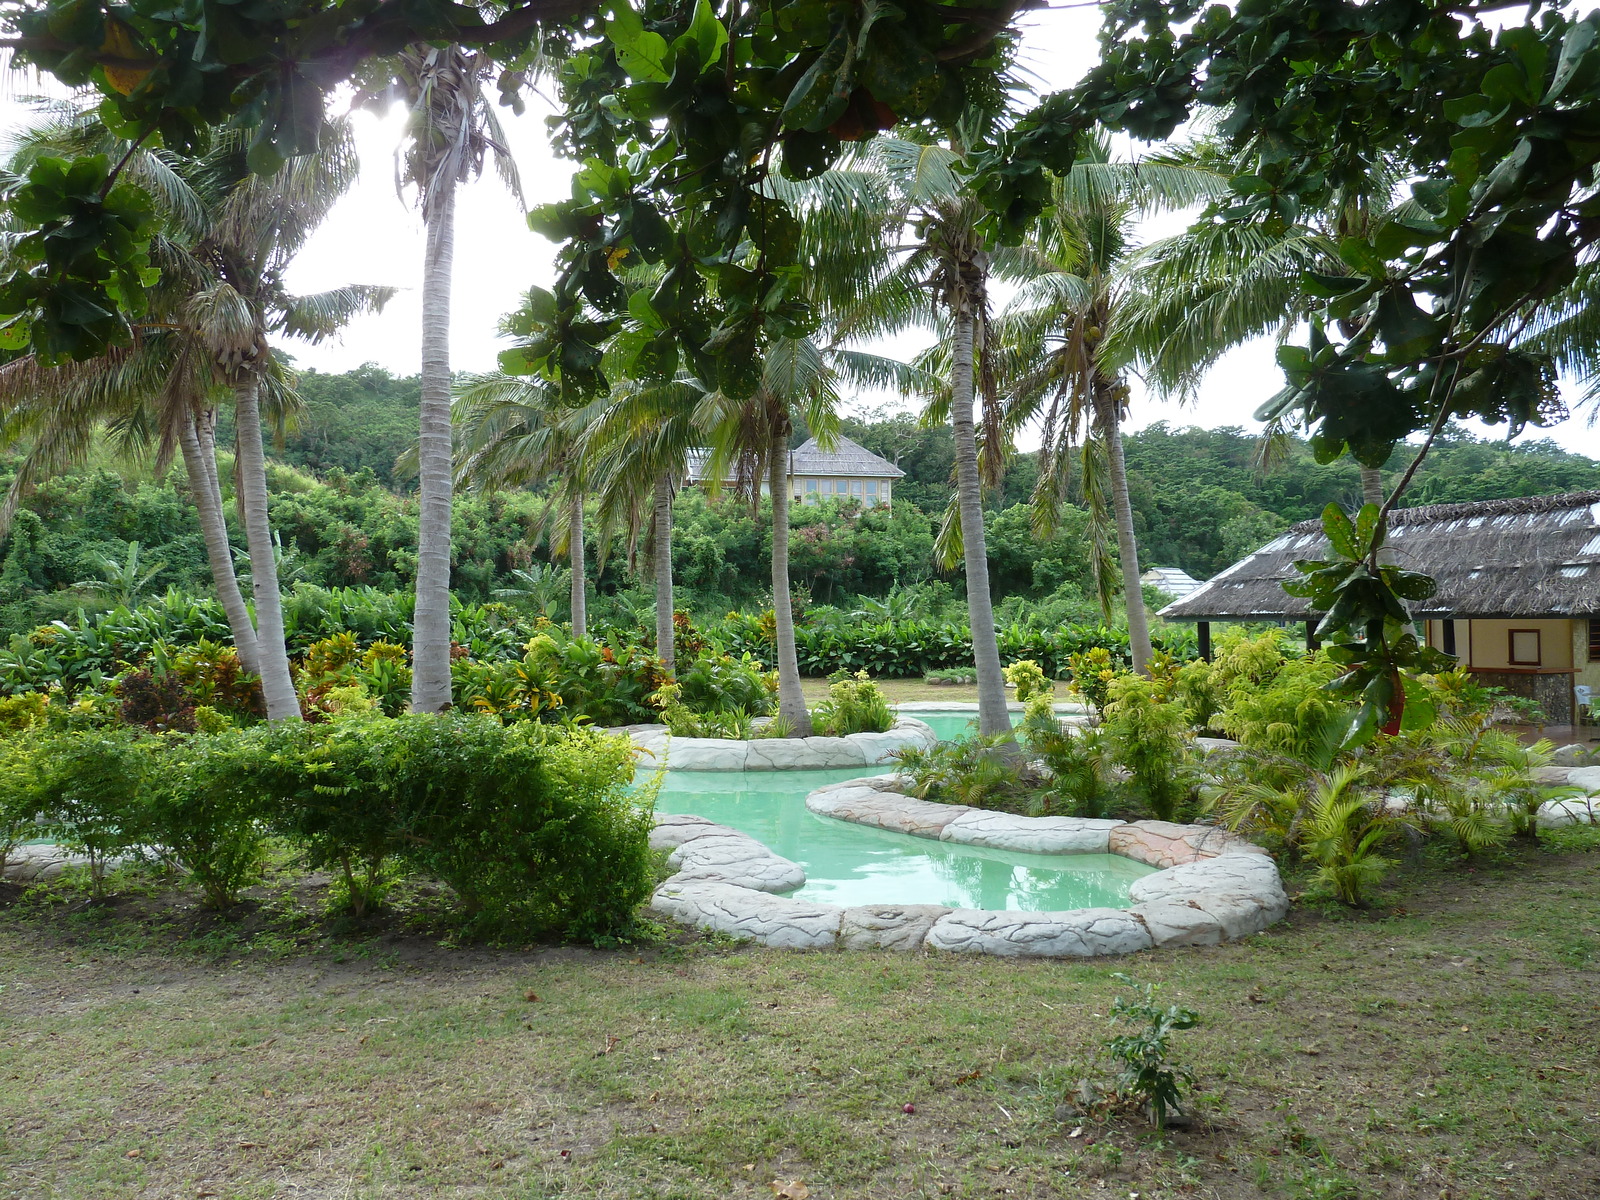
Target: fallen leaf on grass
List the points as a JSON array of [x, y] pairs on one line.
[[134, 1153], [530, 996], [793, 1190]]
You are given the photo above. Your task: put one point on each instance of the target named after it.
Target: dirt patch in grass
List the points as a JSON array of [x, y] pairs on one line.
[[1441, 1045]]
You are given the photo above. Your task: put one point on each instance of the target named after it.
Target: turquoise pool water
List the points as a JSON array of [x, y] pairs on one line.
[[855, 864], [951, 725]]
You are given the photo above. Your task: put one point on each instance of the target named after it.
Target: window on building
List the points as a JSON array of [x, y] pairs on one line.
[[1524, 649], [811, 485], [858, 487], [872, 487]]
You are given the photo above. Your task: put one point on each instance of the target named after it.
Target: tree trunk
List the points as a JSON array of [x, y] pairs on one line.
[[430, 645], [277, 687], [661, 552], [207, 493], [1127, 546], [993, 716], [1371, 486], [791, 700], [580, 583]]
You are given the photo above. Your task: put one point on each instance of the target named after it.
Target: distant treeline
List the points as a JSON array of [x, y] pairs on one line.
[[347, 520]]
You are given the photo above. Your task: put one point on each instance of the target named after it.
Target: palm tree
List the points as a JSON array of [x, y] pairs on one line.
[[514, 430], [896, 184], [1060, 361], [638, 443], [221, 296], [452, 129]]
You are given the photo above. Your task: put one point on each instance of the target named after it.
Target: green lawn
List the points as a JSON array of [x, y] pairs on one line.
[[1442, 1046]]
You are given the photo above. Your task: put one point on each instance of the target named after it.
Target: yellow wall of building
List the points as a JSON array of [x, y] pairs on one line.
[[1491, 643]]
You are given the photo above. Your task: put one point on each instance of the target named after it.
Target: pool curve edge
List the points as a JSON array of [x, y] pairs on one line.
[[1210, 886]]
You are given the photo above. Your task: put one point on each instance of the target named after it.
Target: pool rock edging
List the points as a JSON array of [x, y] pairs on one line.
[[778, 754], [1211, 886]]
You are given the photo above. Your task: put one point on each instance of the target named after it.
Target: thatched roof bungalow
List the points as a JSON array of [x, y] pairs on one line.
[[1518, 598]]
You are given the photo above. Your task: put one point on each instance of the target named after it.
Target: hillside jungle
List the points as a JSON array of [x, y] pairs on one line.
[[121, 531]]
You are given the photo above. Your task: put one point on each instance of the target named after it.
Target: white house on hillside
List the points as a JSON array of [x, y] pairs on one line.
[[847, 472]]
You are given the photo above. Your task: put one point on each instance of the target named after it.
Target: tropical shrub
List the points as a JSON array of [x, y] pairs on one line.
[[201, 814], [683, 721], [1276, 702], [720, 683], [531, 825], [1027, 678], [597, 681], [966, 771], [89, 787], [1149, 739], [1344, 834], [1143, 1054], [854, 705], [157, 702], [1079, 771], [19, 802], [1092, 671]]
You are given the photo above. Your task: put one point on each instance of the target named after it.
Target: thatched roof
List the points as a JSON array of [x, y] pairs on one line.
[[1538, 556]]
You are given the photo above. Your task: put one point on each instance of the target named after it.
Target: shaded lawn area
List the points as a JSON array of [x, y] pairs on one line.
[[1443, 1045]]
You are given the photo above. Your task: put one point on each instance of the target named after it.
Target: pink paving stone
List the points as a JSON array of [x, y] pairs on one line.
[[1164, 844]]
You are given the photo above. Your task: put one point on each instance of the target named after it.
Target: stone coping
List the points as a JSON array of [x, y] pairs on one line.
[[779, 754], [970, 706], [44, 861], [1212, 886]]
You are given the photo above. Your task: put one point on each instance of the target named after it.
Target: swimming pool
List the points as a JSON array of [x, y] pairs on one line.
[[951, 725], [851, 864]]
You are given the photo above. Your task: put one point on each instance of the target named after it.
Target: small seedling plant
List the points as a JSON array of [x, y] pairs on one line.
[[1148, 1078]]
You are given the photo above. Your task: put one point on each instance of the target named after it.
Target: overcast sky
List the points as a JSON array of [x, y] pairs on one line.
[[373, 236]]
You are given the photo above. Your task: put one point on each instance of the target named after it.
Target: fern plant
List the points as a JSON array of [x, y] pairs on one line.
[[1344, 835]]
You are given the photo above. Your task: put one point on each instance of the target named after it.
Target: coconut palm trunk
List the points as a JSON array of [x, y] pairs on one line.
[[1371, 486], [277, 687], [791, 700], [1127, 544], [993, 716], [579, 602], [430, 649], [200, 460], [661, 552]]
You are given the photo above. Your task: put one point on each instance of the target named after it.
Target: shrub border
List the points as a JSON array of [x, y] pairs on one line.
[[1211, 886]]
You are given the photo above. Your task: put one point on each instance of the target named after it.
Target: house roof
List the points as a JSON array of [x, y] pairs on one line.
[[1536, 556], [846, 458], [1174, 581]]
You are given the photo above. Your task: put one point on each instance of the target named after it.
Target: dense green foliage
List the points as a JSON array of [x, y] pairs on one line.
[[1199, 503], [532, 826]]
